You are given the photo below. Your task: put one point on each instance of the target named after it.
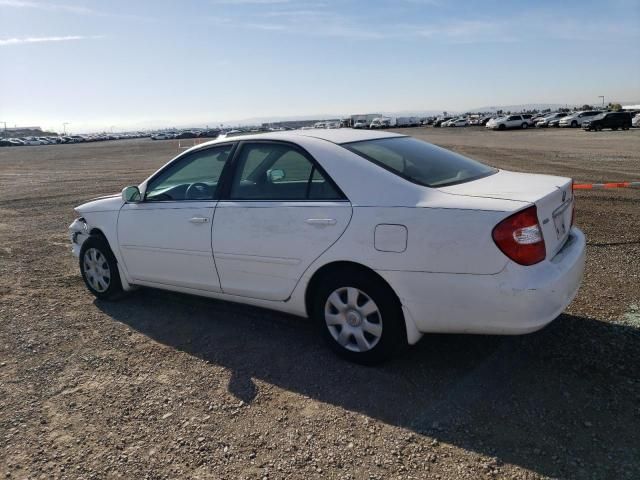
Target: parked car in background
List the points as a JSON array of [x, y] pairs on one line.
[[508, 122], [32, 141], [211, 133], [360, 124], [457, 122], [635, 122], [612, 120], [555, 123], [161, 136], [440, 120], [187, 134], [295, 221], [575, 120], [380, 122], [529, 119], [545, 122], [9, 142], [539, 116]]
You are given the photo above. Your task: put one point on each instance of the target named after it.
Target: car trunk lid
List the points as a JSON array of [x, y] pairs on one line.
[[552, 196]]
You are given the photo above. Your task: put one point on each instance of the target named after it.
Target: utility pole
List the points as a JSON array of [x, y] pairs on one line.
[[64, 128], [602, 97], [5, 127]]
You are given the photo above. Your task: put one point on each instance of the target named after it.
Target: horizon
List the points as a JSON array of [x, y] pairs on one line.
[[261, 121], [158, 64]]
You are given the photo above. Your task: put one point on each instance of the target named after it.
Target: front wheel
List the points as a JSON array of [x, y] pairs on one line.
[[574, 124], [360, 317], [525, 126], [99, 268]]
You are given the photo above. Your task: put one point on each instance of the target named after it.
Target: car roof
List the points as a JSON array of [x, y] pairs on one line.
[[335, 135]]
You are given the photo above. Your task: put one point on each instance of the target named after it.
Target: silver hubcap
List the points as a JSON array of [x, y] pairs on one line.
[[96, 270], [353, 319]]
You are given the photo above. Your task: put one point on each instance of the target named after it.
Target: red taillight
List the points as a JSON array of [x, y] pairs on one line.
[[520, 237]]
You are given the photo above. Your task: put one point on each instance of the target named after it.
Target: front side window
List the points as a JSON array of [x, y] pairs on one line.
[[275, 171], [420, 162], [194, 177], [513, 118]]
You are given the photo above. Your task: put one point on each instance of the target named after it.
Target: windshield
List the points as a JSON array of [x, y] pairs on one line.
[[420, 162]]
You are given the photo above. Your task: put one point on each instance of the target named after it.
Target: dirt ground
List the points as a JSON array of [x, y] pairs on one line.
[[162, 385]]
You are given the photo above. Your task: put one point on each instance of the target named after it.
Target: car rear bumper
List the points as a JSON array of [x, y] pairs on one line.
[[517, 300]]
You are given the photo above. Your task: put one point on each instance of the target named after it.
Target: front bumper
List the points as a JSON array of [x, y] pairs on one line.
[[78, 233], [517, 300]]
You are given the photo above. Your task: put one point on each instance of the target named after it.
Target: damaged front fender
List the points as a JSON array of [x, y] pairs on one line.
[[78, 233]]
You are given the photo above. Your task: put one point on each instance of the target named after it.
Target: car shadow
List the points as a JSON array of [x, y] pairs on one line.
[[560, 402]]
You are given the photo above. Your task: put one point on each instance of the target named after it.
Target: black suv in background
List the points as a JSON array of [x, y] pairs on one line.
[[612, 120]]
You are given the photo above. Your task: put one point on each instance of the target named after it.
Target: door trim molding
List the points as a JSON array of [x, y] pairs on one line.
[[256, 258]]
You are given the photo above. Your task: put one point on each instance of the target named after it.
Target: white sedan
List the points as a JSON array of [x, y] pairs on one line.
[[378, 237], [509, 121], [458, 122]]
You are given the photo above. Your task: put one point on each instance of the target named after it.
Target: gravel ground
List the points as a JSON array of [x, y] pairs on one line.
[[163, 385]]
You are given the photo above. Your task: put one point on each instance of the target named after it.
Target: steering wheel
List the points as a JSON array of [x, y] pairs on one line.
[[198, 191]]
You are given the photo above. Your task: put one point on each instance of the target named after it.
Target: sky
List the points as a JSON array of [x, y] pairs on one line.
[[132, 64]]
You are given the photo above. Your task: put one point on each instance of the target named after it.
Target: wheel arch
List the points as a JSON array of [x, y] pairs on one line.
[[99, 233], [413, 335], [124, 278]]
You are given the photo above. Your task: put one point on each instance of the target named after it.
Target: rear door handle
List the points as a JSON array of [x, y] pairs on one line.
[[321, 221], [198, 220]]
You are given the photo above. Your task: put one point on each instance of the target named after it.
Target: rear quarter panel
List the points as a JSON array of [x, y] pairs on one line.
[[438, 240]]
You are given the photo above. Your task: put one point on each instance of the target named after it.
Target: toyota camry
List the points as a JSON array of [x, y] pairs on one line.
[[378, 237]]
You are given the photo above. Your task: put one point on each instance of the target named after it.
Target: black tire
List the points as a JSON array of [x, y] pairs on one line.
[[525, 125], [501, 126], [574, 124], [393, 338], [105, 259]]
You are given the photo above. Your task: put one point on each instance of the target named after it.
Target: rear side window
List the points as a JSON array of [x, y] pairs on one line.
[[274, 171], [420, 162]]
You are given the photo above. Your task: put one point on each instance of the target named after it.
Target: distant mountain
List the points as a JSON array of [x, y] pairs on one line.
[[521, 107]]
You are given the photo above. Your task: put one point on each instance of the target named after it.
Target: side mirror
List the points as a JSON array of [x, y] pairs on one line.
[[275, 175], [131, 194]]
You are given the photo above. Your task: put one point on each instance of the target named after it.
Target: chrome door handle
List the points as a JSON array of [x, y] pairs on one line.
[[198, 220], [321, 221]]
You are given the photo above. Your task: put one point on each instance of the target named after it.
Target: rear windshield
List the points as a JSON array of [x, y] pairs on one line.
[[420, 162]]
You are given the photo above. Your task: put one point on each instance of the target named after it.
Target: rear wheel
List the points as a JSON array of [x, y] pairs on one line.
[[360, 316], [99, 268]]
